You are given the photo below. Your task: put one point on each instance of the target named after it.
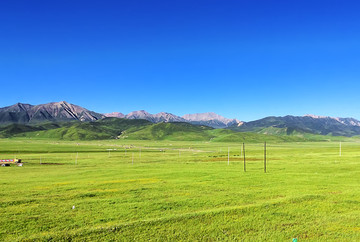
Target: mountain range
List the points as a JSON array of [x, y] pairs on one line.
[[139, 129], [291, 125], [209, 119], [288, 125], [64, 111]]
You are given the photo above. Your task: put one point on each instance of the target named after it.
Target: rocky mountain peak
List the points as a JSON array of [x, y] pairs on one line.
[[141, 114], [55, 111], [210, 119], [18, 107]]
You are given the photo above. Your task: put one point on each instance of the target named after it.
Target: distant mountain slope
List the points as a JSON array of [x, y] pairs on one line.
[[56, 111], [210, 119], [154, 118], [167, 117], [302, 124], [114, 115]]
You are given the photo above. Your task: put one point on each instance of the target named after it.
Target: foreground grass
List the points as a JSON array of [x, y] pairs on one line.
[[179, 191]]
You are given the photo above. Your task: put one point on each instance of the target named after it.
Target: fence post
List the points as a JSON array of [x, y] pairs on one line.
[[265, 157], [244, 157]]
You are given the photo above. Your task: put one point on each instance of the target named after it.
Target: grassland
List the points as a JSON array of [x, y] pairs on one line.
[[179, 190]]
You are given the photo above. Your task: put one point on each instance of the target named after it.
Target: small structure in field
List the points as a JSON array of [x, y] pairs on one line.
[[7, 162]]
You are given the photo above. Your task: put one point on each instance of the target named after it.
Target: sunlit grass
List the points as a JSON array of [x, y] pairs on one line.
[[165, 190]]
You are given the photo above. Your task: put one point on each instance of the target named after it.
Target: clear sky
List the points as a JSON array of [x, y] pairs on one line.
[[243, 59]]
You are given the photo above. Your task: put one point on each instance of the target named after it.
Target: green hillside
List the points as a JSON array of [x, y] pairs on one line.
[[137, 129], [75, 132], [169, 131], [14, 129], [108, 128], [30, 130]]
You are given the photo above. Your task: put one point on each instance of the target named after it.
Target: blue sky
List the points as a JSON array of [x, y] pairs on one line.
[[241, 59]]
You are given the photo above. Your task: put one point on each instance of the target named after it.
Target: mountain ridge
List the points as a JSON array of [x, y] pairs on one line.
[[140, 129], [22, 113], [322, 125], [209, 119]]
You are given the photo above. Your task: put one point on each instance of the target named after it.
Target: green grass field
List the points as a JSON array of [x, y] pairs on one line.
[[179, 190]]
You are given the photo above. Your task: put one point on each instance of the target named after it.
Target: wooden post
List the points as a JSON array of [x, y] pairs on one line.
[[244, 157], [265, 157]]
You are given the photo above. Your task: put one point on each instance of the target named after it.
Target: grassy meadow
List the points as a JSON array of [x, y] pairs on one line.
[[179, 190]]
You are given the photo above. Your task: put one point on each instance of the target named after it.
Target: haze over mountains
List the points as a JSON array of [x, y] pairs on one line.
[[289, 125]]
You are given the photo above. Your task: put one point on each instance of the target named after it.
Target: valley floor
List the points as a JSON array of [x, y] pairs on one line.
[[147, 190]]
